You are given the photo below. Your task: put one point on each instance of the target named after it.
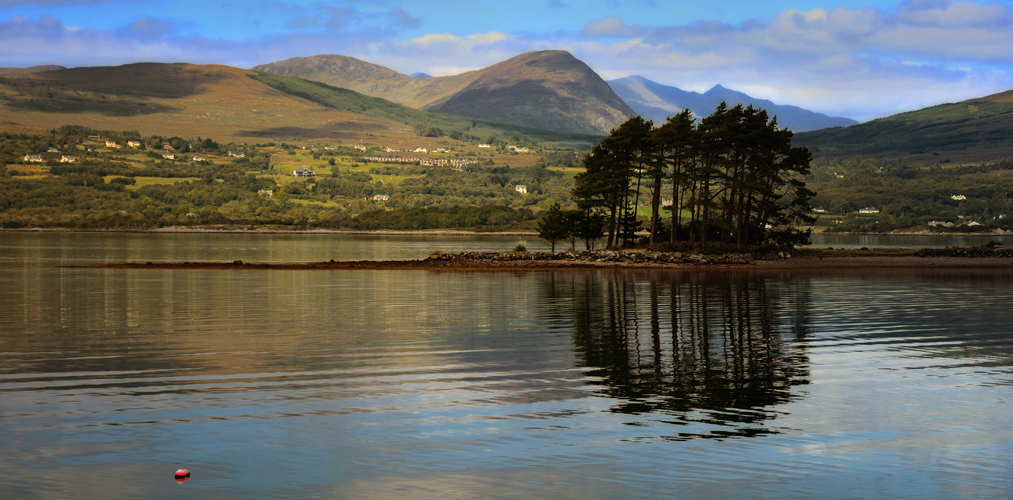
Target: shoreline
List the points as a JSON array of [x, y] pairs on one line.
[[796, 263], [433, 232]]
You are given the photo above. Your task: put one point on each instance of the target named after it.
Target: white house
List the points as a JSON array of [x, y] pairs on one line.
[[381, 197], [199, 158], [266, 193], [169, 156], [958, 197], [68, 159], [34, 158], [420, 150], [483, 146], [134, 144], [868, 210], [521, 188], [237, 154], [303, 172], [111, 144]]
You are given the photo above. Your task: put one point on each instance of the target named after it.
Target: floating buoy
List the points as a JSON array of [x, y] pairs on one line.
[[182, 475]]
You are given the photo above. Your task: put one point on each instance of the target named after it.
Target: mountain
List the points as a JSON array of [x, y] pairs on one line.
[[420, 75], [974, 130], [657, 102], [24, 71], [174, 99], [550, 90], [221, 102]]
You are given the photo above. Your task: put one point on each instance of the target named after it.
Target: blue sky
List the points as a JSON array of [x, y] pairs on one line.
[[854, 58]]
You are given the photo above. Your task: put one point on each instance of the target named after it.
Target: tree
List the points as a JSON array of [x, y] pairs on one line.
[[554, 226]]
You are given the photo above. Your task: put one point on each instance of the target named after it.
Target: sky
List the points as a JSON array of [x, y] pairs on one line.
[[861, 59]]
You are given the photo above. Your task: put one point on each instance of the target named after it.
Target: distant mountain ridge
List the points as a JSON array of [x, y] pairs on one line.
[[655, 101], [549, 90], [974, 130], [29, 70]]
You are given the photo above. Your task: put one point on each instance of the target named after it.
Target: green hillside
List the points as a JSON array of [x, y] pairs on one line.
[[970, 131], [375, 107]]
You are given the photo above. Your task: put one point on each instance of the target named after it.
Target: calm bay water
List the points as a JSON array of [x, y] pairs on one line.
[[516, 384]]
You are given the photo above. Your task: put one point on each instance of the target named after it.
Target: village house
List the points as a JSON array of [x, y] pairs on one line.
[[484, 146], [112, 144], [34, 158], [381, 197], [134, 144], [667, 202], [166, 145], [303, 172], [420, 150], [266, 193], [939, 223], [52, 150], [839, 176], [199, 158], [68, 159], [521, 188], [958, 197], [819, 210], [169, 156], [868, 210], [237, 154]]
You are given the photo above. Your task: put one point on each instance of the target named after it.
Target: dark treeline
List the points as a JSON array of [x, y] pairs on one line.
[[735, 179]]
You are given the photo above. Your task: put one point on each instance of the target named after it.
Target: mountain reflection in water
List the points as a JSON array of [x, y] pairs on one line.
[[692, 347]]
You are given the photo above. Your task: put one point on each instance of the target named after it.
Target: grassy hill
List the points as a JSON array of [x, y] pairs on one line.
[[970, 131], [174, 99], [344, 99], [223, 103], [549, 90]]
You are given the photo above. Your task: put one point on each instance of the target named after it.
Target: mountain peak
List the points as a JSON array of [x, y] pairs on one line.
[[657, 102]]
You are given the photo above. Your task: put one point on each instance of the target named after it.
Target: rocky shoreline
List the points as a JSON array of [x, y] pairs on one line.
[[960, 258]]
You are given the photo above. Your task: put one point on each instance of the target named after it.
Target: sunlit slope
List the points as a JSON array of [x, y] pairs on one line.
[[372, 79], [973, 130], [173, 99], [550, 90], [376, 107]]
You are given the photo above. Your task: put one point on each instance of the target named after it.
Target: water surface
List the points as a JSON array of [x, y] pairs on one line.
[[512, 384]]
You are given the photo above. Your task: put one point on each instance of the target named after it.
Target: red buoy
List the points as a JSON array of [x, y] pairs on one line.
[[182, 475]]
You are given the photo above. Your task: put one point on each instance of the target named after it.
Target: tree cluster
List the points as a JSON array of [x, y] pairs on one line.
[[734, 179]]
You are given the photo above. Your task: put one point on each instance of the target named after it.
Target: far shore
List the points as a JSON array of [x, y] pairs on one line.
[[432, 232], [796, 263]]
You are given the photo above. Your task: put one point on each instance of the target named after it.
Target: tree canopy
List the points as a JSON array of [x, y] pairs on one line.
[[734, 178]]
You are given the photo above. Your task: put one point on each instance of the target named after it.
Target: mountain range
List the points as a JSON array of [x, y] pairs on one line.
[[657, 102], [549, 90], [530, 95]]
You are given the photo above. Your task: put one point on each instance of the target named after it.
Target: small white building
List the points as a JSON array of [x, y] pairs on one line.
[[199, 158], [266, 193], [169, 156], [237, 154], [134, 144], [112, 144], [303, 172], [381, 197], [420, 150], [939, 223], [34, 158], [958, 197], [868, 210], [68, 159], [484, 146], [521, 188]]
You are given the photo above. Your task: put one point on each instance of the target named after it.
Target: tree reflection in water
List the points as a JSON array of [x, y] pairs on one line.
[[718, 351]]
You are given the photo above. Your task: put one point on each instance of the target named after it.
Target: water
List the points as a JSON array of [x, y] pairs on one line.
[[851, 241], [511, 384]]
